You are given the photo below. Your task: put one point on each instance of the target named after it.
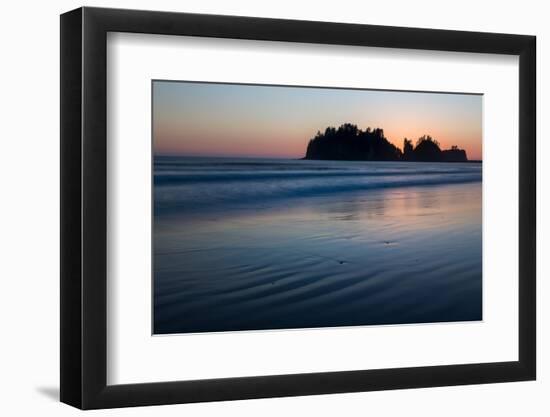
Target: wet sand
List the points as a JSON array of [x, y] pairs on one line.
[[364, 256]]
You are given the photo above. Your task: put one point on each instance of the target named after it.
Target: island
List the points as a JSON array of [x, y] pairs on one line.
[[349, 143]]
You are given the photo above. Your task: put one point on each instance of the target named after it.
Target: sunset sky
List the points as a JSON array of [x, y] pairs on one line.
[[207, 119]]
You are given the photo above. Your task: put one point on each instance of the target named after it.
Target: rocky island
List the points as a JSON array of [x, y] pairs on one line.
[[349, 143]]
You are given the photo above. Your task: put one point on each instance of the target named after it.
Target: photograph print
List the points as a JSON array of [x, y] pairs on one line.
[[293, 207]]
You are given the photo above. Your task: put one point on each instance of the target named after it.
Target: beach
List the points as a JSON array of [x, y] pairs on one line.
[[259, 244]]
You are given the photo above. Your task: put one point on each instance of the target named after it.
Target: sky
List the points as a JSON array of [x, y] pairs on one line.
[[209, 119]]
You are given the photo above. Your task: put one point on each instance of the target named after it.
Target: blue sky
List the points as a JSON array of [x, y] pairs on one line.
[[209, 119]]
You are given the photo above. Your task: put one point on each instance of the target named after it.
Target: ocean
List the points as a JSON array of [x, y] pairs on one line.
[[259, 244]]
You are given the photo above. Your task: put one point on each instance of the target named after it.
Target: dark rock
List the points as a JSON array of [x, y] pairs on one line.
[[348, 143]]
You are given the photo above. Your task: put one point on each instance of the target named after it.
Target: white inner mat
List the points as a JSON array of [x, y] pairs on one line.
[[135, 356]]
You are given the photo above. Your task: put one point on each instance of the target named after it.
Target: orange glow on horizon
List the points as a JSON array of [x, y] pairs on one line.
[[202, 119]]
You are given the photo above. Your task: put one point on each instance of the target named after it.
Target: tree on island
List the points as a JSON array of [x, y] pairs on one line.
[[408, 150], [349, 143], [427, 150]]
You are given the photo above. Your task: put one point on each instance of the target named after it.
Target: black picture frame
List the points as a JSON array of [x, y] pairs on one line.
[[84, 207]]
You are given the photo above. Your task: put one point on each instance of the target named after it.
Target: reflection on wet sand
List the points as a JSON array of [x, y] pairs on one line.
[[387, 255]]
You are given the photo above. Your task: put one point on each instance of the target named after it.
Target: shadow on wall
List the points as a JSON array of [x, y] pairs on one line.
[[50, 392]]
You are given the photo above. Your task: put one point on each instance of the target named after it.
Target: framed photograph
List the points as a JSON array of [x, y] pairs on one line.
[[258, 208]]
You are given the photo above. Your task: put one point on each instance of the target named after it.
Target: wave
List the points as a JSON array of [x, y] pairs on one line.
[[183, 198], [171, 178], [206, 185]]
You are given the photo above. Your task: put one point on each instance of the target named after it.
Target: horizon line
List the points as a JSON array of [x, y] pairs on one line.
[[288, 158]]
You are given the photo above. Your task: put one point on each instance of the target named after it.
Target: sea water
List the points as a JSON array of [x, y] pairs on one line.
[[257, 244]]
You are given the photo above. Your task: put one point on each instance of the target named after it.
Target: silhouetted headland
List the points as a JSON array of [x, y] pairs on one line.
[[348, 143]]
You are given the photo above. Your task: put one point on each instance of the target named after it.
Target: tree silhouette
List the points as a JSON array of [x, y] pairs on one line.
[[349, 143], [408, 150], [427, 150]]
